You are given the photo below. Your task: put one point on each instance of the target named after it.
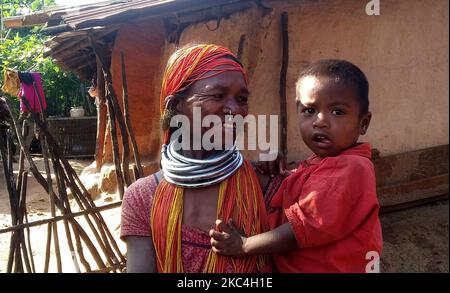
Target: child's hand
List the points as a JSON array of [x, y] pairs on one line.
[[230, 241]]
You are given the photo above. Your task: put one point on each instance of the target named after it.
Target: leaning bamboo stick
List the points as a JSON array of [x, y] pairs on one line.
[[10, 263], [11, 191], [100, 240], [43, 127], [91, 204], [62, 192], [84, 195], [25, 217], [85, 238], [90, 246], [22, 211], [113, 104], [40, 179], [127, 119], [62, 187], [104, 245], [101, 118], [18, 212], [47, 247], [82, 201], [115, 148], [45, 154], [111, 98], [79, 247], [60, 218], [75, 226], [21, 161], [18, 266], [60, 203], [106, 270]]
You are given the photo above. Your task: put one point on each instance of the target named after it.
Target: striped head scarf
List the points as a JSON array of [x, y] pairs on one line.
[[190, 64]]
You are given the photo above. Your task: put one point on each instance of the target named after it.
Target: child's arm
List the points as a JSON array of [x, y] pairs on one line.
[[231, 242]]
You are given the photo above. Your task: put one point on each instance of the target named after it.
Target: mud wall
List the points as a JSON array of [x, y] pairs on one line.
[[403, 51], [142, 44]]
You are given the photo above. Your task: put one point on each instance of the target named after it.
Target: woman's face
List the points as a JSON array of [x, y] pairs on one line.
[[220, 95]]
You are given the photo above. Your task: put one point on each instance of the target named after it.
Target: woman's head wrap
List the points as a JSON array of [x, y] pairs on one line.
[[192, 63]]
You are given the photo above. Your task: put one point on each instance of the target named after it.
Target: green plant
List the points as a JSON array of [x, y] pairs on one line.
[[23, 51]]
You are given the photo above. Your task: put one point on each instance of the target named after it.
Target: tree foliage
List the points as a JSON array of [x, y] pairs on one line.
[[23, 51], [19, 7]]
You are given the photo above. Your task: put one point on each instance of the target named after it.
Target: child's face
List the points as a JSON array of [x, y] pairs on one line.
[[329, 111]]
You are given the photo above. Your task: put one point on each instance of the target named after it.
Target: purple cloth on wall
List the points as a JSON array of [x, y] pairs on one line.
[[27, 91]]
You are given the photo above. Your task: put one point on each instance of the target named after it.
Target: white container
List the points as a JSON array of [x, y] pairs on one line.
[[77, 111]]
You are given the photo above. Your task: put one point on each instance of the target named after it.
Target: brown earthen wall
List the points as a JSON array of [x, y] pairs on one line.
[[404, 53], [142, 44]]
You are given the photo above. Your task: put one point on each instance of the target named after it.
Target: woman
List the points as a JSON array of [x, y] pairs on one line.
[[166, 216]]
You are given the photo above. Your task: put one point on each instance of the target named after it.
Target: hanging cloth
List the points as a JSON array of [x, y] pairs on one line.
[[28, 92], [11, 82]]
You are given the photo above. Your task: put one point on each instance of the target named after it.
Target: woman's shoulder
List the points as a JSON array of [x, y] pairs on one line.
[[144, 187], [136, 206]]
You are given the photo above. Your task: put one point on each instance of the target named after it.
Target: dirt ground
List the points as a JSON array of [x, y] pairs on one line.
[[415, 240]]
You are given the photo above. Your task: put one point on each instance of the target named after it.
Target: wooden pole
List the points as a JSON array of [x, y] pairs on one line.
[[21, 159], [57, 151], [137, 158], [115, 147], [45, 154], [23, 198], [111, 123], [283, 73], [22, 212], [60, 218], [11, 191], [114, 110], [40, 179], [67, 174], [101, 117]]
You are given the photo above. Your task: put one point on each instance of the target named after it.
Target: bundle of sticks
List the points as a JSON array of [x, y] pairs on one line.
[[107, 258]]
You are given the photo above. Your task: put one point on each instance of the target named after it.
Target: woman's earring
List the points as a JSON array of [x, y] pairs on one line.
[[166, 117]]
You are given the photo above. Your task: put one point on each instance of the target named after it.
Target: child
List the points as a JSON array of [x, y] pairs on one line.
[[324, 217]]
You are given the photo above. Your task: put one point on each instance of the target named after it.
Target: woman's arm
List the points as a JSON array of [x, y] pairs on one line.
[[135, 225], [141, 256]]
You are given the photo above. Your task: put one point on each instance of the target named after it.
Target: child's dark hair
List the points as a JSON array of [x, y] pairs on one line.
[[344, 71]]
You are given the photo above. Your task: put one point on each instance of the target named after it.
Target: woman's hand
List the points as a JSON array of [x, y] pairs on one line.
[[227, 239]]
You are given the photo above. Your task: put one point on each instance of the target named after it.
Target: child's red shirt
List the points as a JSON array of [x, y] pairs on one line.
[[332, 206]]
